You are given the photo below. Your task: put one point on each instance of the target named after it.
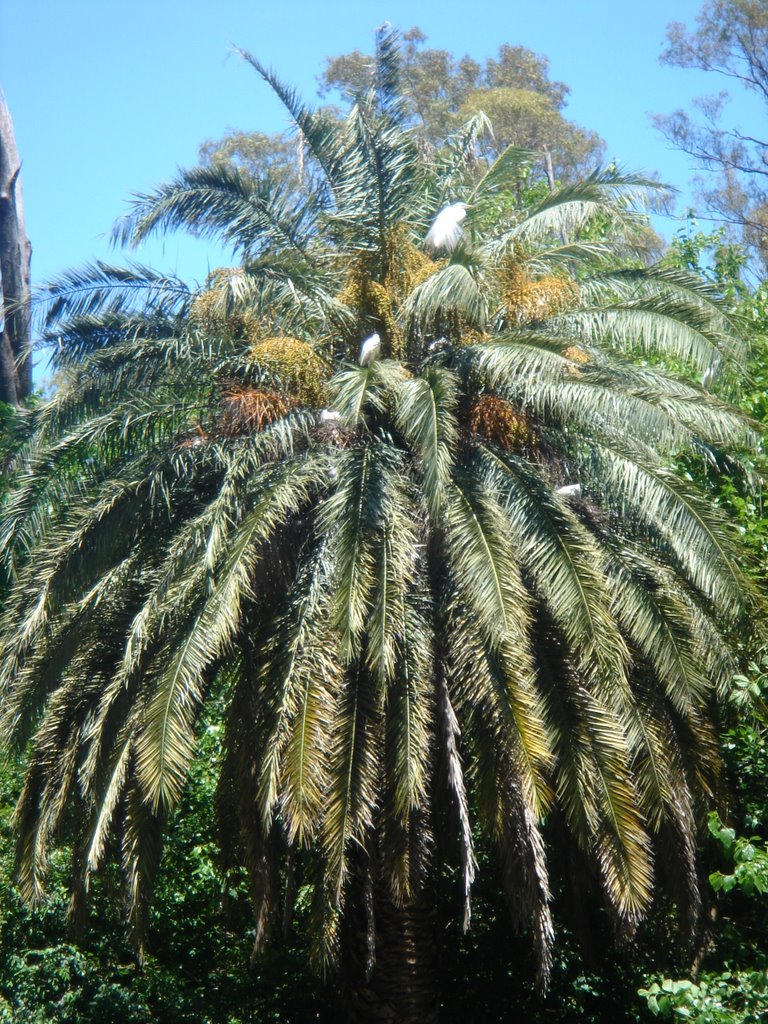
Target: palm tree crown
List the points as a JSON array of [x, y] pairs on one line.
[[420, 625]]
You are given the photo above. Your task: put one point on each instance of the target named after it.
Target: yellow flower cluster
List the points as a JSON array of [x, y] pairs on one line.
[[373, 306], [211, 309], [527, 299], [301, 371], [408, 266], [377, 303]]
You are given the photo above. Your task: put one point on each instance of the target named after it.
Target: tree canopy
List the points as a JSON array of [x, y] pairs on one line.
[[440, 93], [456, 592]]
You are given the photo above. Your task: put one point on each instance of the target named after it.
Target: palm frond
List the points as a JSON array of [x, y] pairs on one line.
[[425, 413], [451, 291], [223, 202]]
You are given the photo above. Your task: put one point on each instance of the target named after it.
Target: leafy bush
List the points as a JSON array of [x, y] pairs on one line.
[[196, 971]]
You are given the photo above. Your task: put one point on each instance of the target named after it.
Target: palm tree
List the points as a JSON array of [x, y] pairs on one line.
[[456, 592]]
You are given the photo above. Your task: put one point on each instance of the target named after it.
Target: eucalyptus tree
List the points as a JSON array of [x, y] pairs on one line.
[[458, 591]]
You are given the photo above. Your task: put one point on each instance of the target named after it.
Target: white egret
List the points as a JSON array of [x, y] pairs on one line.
[[370, 350], [446, 231], [569, 490], [708, 379], [329, 417]]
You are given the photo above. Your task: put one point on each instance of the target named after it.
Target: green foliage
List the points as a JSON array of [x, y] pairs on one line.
[[528, 120], [196, 968], [750, 862], [714, 256], [735, 995], [733, 985], [739, 997]]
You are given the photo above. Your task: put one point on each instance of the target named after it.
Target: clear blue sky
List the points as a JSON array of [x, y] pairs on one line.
[[109, 98]]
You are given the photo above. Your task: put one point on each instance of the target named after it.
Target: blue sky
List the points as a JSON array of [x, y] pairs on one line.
[[110, 97]]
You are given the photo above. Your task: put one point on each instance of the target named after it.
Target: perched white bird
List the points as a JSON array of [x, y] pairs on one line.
[[329, 417], [370, 350], [446, 231], [569, 490], [708, 379]]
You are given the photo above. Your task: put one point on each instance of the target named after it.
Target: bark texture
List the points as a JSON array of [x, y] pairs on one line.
[[391, 962], [15, 260]]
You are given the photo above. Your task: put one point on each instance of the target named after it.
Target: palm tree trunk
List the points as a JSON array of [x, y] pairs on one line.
[[390, 969]]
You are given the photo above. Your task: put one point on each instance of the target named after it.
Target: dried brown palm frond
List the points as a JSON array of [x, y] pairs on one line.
[[245, 409]]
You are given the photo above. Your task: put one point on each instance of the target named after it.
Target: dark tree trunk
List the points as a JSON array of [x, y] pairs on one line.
[[391, 970], [15, 258]]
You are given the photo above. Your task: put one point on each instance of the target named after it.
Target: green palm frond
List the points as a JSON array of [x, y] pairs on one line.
[[303, 670], [425, 413], [570, 208], [318, 133], [506, 168], [355, 779], [248, 214], [568, 570], [101, 288], [667, 508], [452, 291], [651, 324]]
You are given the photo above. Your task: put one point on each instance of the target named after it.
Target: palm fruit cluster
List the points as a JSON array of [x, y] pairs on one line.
[[376, 289], [499, 422], [527, 299], [301, 373]]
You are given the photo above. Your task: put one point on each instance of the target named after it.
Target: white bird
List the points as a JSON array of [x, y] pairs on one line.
[[446, 231], [569, 490], [708, 379], [329, 416], [370, 350]]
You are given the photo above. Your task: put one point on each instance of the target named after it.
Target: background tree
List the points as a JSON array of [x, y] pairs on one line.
[[15, 256], [731, 40], [514, 89], [441, 92], [262, 153], [726, 982]]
